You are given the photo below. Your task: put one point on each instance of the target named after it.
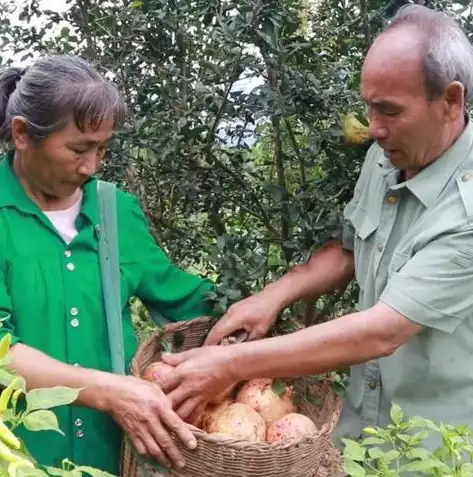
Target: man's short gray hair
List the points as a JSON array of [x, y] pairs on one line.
[[52, 92], [448, 54]]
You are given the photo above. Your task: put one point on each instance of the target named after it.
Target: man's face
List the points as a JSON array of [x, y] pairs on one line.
[[61, 163], [408, 127]]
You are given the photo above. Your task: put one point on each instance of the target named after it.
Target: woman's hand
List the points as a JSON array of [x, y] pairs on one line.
[[146, 415], [254, 314], [200, 375]]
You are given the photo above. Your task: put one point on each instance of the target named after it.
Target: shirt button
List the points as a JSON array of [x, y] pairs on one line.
[[70, 266], [80, 434], [74, 311], [67, 253], [372, 385], [466, 177], [76, 365], [392, 199], [78, 422], [379, 247], [75, 322]]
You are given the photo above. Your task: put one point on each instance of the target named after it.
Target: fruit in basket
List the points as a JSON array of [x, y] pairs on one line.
[[220, 398], [211, 411], [156, 371], [291, 426], [259, 394], [240, 422]]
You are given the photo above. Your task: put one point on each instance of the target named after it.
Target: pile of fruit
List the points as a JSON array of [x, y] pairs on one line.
[[251, 411]]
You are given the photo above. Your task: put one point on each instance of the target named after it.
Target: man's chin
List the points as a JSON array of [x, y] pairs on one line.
[[394, 156]]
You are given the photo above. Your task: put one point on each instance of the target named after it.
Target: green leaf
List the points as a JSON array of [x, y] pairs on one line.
[[418, 453], [46, 398], [42, 420], [372, 441], [397, 415], [6, 378], [5, 343], [63, 472], [29, 472], [376, 453], [136, 4], [353, 469], [353, 450], [278, 387], [391, 455], [420, 465], [466, 470], [417, 421], [94, 472]]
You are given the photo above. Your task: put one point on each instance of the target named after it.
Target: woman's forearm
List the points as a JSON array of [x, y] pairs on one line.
[[40, 370]]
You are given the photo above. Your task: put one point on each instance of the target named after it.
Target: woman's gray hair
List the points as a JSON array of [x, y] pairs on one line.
[[448, 54], [52, 92]]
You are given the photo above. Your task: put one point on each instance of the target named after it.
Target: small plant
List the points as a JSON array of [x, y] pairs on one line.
[[34, 414], [399, 449]]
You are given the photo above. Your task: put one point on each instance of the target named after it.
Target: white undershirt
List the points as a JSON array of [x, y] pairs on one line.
[[64, 220]]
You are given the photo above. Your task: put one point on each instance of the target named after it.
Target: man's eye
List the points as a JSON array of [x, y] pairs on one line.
[[388, 111], [79, 150]]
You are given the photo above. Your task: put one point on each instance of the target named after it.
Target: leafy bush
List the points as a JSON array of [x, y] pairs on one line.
[[400, 449]]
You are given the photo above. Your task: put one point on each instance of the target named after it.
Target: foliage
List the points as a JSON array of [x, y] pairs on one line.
[[33, 410], [401, 449], [233, 140]]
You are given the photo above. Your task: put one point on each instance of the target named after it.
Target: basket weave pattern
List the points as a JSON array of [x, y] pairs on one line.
[[217, 456]]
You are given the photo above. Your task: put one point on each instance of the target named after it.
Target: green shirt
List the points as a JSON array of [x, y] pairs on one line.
[[413, 250], [53, 292]]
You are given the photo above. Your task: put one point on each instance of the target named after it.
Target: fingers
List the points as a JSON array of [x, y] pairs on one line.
[[164, 445], [225, 327], [180, 428], [190, 407], [169, 382], [196, 416], [256, 334], [175, 359], [139, 445], [147, 445], [178, 396]]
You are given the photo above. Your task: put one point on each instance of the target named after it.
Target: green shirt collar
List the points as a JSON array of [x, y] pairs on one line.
[[428, 184], [13, 195]]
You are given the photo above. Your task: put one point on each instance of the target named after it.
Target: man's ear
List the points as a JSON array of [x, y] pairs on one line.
[[19, 133], [454, 101]]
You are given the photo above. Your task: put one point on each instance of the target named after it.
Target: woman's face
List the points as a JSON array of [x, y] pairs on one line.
[[61, 163]]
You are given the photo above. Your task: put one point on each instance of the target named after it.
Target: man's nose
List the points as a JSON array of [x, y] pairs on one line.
[[377, 130]]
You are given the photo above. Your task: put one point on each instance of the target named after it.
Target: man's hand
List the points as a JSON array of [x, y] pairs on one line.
[[330, 268], [255, 315], [199, 376], [146, 415]]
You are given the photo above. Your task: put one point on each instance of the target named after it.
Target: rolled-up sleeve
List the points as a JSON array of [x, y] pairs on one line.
[[174, 293], [7, 324], [434, 288]]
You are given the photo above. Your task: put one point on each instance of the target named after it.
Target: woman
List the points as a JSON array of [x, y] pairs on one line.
[[58, 116]]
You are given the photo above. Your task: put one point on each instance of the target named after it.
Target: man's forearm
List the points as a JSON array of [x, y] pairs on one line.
[[40, 370], [330, 268], [330, 346]]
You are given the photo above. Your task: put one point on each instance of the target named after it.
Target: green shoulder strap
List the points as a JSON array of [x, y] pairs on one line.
[[110, 272]]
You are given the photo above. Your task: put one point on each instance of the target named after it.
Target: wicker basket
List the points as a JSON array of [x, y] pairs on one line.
[[216, 456]]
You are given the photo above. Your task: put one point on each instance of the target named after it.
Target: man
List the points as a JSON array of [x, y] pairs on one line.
[[408, 241]]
